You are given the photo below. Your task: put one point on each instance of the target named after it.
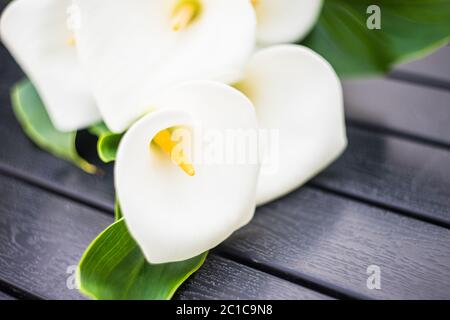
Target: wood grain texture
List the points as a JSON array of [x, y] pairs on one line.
[[42, 237], [329, 240], [399, 106], [393, 172], [241, 283]]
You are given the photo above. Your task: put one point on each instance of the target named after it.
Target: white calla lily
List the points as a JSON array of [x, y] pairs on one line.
[[37, 35], [172, 215], [135, 48], [284, 21], [297, 93]]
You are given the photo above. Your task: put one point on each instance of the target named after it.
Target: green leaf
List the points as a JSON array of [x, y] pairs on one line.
[[33, 117], [107, 146], [409, 30], [107, 143], [113, 268]]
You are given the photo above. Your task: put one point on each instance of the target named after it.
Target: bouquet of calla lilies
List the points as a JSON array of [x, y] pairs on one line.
[[204, 105]]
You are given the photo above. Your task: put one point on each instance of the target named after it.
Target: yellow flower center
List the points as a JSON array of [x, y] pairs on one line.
[[185, 13], [164, 140], [71, 41]]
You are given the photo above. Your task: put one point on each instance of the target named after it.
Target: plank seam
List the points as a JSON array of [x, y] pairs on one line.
[[258, 267], [390, 208], [418, 79], [49, 187], [303, 280], [109, 209], [382, 131], [16, 292]]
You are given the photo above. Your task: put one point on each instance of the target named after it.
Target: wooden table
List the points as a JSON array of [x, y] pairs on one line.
[[385, 202]]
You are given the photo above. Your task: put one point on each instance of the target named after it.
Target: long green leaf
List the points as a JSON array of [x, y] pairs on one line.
[[114, 268], [410, 29], [33, 117]]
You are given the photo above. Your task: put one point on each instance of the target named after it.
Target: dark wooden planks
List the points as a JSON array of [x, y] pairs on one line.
[[415, 100], [4, 296], [400, 106], [434, 67], [393, 172], [331, 241], [369, 170], [287, 224], [42, 237], [223, 279]]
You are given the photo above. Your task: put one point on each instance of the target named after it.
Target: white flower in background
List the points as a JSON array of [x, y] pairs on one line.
[[284, 21], [295, 91], [37, 35], [175, 215], [133, 49]]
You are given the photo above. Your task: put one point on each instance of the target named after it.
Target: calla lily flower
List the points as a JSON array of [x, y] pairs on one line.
[[285, 21], [133, 49], [37, 35], [297, 93], [177, 212]]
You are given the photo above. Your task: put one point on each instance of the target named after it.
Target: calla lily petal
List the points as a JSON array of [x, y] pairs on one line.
[[37, 35], [171, 215], [296, 92], [131, 51], [284, 21]]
